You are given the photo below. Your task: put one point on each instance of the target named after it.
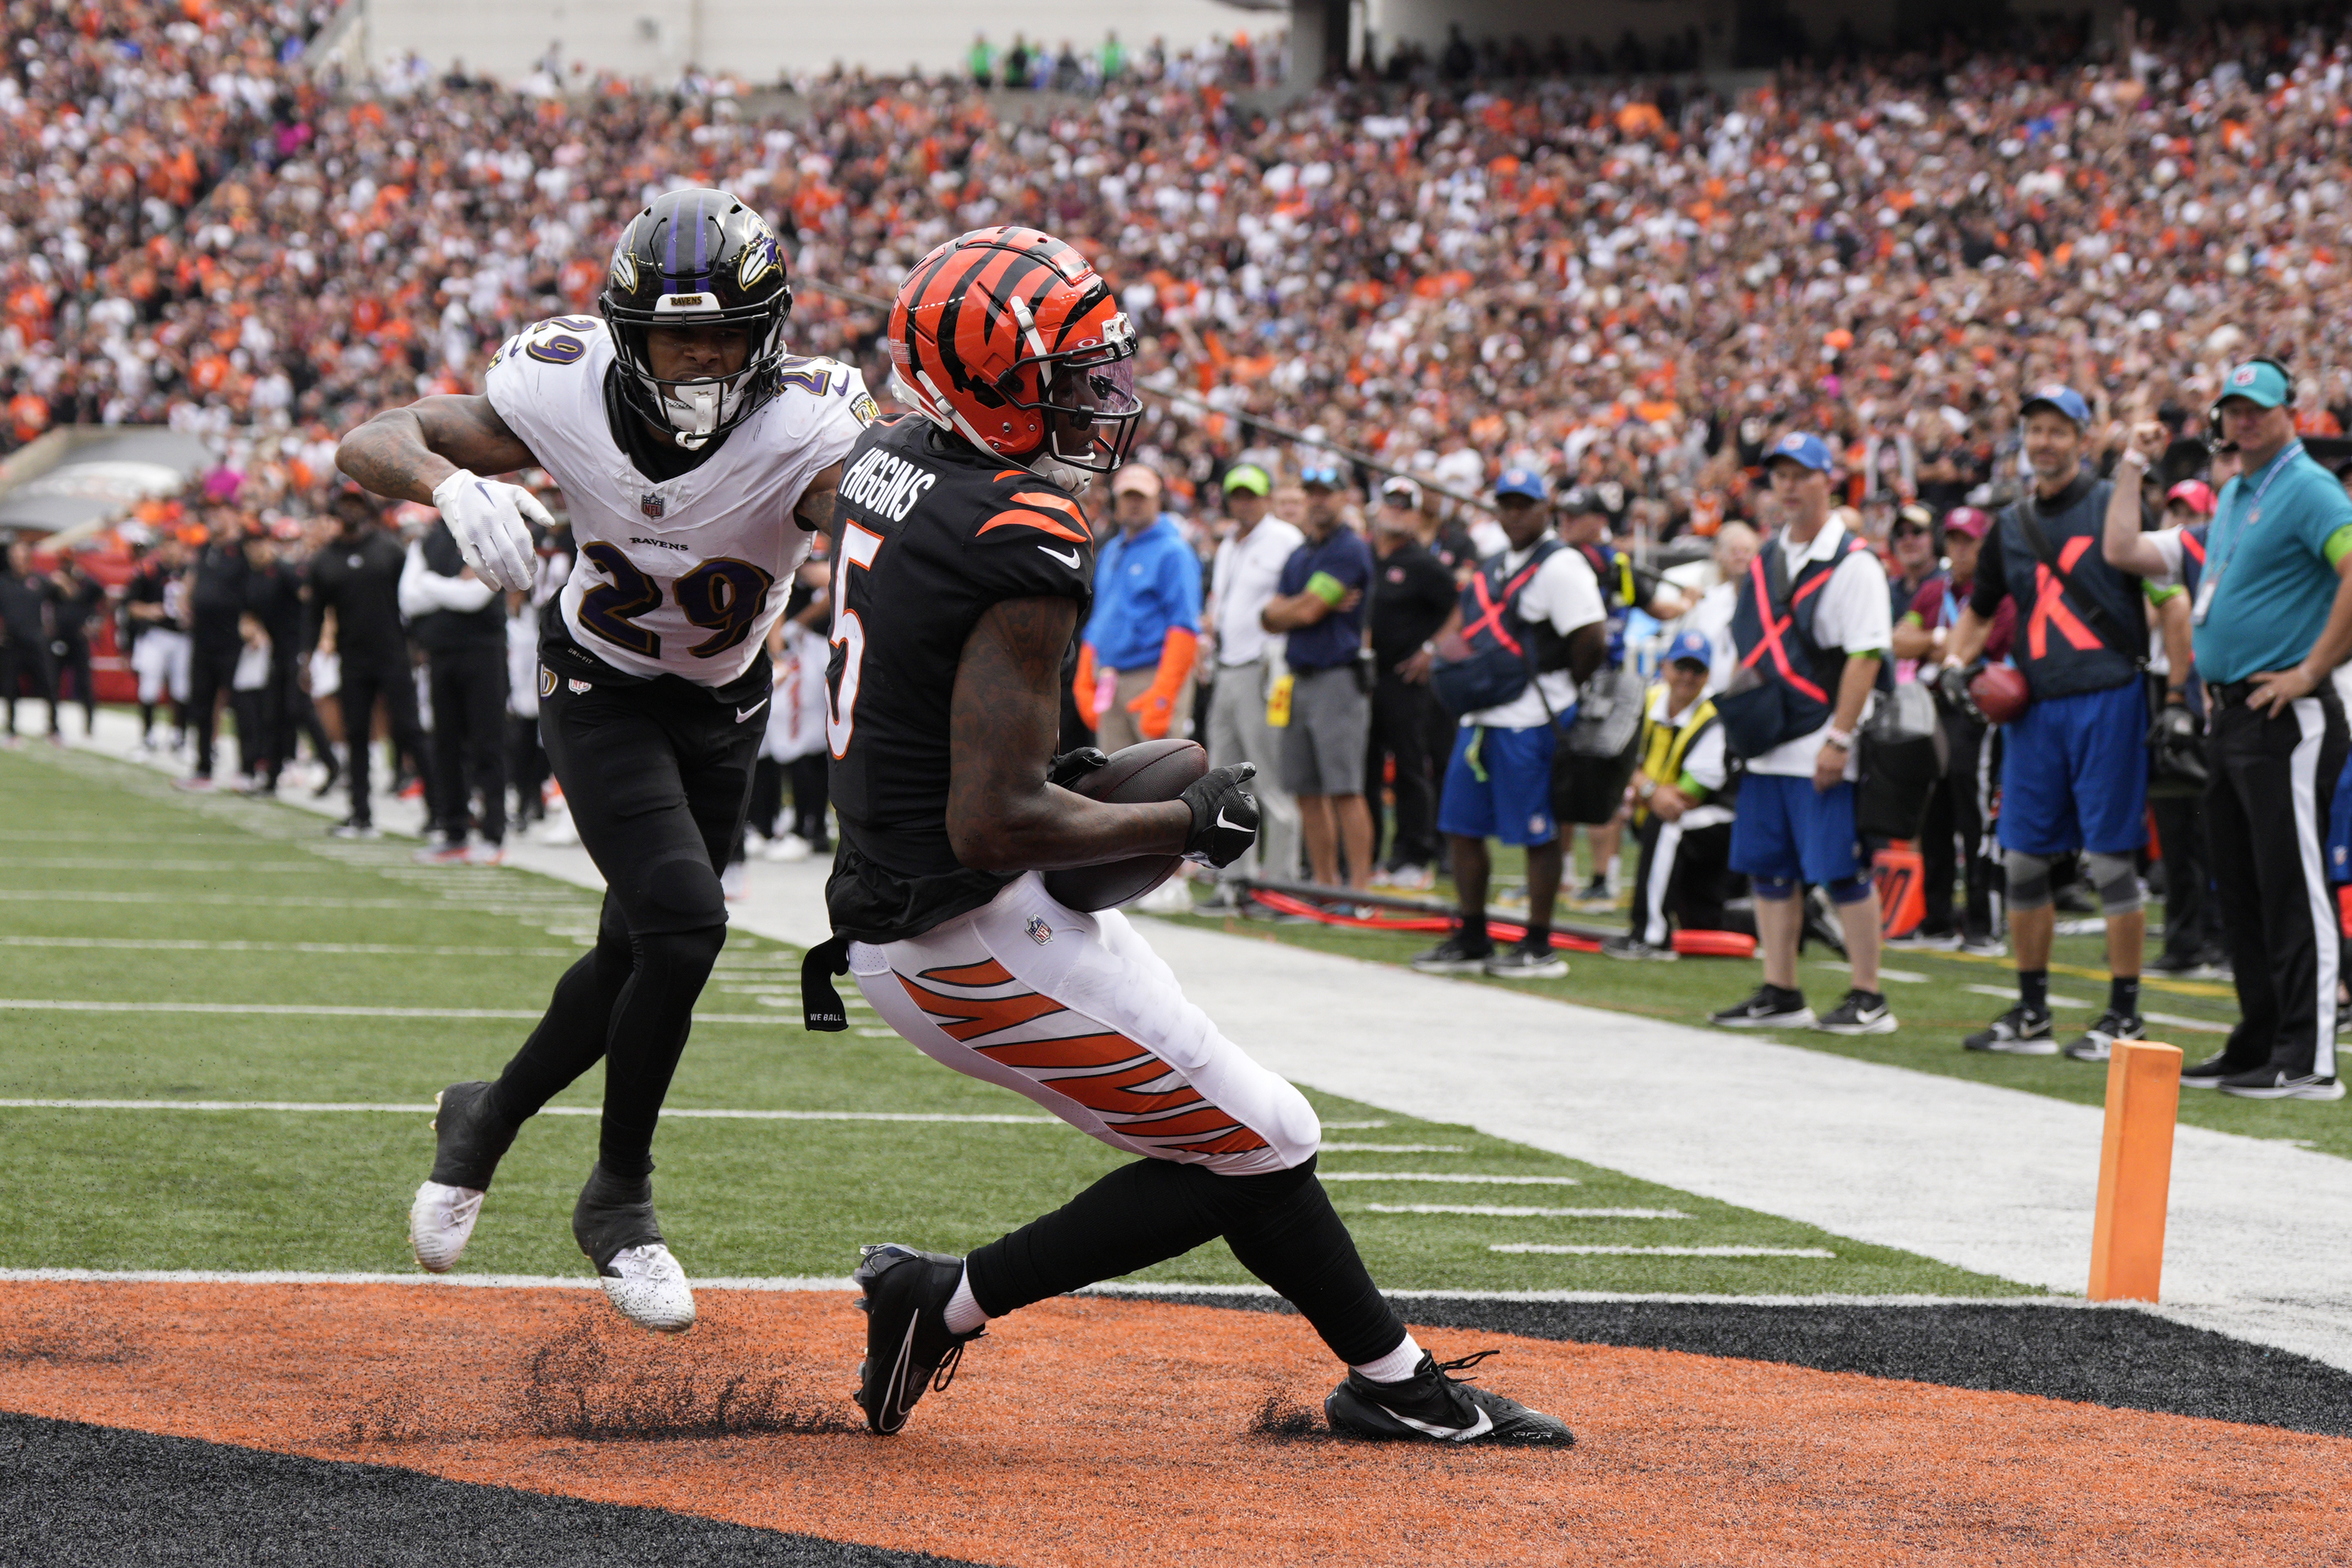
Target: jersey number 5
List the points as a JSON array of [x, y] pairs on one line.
[[858, 548], [723, 596]]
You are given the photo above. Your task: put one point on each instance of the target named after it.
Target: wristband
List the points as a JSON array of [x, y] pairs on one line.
[[1842, 739], [2133, 456], [1327, 588]]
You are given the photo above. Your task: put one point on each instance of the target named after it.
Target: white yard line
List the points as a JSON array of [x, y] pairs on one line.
[[1456, 1178], [403, 1108], [305, 1010], [355, 949], [104, 863], [1507, 1211], [2008, 994], [1394, 1149], [1557, 1249]]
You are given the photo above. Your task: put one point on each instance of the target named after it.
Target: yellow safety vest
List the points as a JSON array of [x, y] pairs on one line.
[[1664, 745]]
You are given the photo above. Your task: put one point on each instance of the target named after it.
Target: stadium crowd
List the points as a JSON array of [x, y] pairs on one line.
[[1401, 326]]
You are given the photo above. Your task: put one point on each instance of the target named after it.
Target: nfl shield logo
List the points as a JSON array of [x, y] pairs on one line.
[[652, 504], [1039, 931]]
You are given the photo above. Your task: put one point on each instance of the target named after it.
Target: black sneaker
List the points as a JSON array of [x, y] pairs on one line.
[[1595, 895], [1523, 961], [2224, 1064], [1433, 1406], [1772, 1007], [2098, 1041], [1625, 945], [354, 830], [2020, 1032], [2181, 965], [907, 1345], [2276, 1083], [1457, 954], [1926, 940], [1862, 1013]]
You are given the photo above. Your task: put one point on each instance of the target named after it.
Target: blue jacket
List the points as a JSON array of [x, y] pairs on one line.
[[1143, 585]]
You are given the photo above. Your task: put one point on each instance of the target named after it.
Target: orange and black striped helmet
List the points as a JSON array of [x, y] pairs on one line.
[[1009, 337]]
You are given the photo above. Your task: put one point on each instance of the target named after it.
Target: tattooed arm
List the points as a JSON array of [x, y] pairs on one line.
[[403, 453], [815, 511], [1005, 720]]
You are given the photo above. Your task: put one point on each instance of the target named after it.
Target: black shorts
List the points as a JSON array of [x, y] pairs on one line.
[[657, 775]]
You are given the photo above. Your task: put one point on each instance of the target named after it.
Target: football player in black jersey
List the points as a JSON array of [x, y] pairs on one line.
[[963, 571], [697, 458]]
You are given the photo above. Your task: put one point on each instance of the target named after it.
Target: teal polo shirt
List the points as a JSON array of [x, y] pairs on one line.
[[2276, 563]]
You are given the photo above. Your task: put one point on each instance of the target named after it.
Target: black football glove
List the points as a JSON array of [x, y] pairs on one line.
[[1952, 686], [1224, 815], [1071, 766]]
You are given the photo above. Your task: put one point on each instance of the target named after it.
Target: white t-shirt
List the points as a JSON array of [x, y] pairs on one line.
[[1853, 613], [1711, 618], [1564, 593], [1242, 580], [673, 565]]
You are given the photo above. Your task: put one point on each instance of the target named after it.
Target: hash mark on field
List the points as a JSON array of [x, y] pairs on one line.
[[1453, 1177], [1554, 1248], [1512, 1211], [400, 1109]]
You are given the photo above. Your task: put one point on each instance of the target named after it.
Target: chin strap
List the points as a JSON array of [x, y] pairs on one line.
[[1070, 476]]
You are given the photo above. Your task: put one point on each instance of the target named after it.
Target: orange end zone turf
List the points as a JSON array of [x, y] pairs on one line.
[[1119, 1433]]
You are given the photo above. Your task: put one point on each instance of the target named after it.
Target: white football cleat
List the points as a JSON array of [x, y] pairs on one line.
[[440, 1222], [648, 1287]]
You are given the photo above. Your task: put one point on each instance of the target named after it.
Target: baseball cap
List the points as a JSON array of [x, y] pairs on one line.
[[1248, 477], [2064, 399], [1135, 479], [1399, 489], [2258, 381], [1968, 522], [2195, 493], [1800, 446], [1691, 646], [1576, 500], [1917, 516], [1325, 475], [1521, 482]]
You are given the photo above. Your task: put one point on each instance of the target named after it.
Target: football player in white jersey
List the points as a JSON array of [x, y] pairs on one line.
[[697, 458]]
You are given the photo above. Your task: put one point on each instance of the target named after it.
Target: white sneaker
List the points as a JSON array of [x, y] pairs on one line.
[[440, 1222], [557, 830], [789, 846], [486, 855], [731, 880], [648, 1287]]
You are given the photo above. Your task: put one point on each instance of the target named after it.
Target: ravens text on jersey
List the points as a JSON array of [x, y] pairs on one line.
[[930, 533]]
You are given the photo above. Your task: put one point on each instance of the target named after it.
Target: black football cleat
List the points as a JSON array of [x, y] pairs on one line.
[[907, 1345], [1433, 1406]]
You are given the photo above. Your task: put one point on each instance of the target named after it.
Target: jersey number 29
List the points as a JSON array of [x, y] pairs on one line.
[[723, 596], [858, 548]]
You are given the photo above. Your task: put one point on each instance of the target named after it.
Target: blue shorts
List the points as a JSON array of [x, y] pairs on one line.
[[1786, 830], [2339, 831], [2074, 774], [1498, 786]]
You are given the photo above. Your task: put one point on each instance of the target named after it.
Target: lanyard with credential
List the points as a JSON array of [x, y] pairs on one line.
[[2215, 568]]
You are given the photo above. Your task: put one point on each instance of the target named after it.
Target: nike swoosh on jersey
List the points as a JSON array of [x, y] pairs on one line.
[[743, 713], [1070, 561]]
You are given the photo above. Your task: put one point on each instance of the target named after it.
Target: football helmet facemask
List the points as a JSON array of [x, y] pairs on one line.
[[1007, 337], [698, 257]]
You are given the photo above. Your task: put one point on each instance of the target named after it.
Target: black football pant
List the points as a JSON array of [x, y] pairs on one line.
[[2266, 821], [72, 656], [25, 657], [1682, 880], [212, 675], [2191, 926], [396, 685], [469, 734], [812, 782], [1281, 1226], [1957, 813], [657, 775], [1401, 729]]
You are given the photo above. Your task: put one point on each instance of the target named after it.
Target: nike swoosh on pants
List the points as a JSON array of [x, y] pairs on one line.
[[743, 713]]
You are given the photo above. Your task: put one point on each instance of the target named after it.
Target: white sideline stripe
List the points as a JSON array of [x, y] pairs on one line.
[[1550, 1247], [2199, 1026], [1509, 1211], [103, 863], [1393, 1148], [1449, 1176], [1135, 1287], [297, 1010], [2009, 993], [426, 1110], [362, 949]]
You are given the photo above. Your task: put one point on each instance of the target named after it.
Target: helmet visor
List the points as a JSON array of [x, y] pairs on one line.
[[1091, 408]]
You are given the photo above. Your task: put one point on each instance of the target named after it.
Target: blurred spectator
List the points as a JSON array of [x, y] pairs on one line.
[[25, 656], [354, 581], [1961, 805], [1411, 602], [214, 605], [1135, 664], [1532, 614], [152, 607], [1681, 798], [1319, 605], [76, 600], [1247, 660], [460, 623], [1735, 547], [1913, 551], [793, 752], [2195, 945]]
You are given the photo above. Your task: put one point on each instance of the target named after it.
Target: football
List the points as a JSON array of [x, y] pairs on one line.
[[2000, 692], [1154, 770]]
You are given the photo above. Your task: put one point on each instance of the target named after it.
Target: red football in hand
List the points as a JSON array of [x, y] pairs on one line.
[[1153, 770], [1999, 691]]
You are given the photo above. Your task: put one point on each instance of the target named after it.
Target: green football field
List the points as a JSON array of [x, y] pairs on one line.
[[1938, 997], [168, 950]]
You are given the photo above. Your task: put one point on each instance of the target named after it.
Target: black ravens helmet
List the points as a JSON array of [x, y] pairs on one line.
[[697, 259]]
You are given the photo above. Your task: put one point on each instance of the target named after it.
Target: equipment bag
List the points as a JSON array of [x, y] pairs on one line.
[[1488, 678], [1903, 754], [1600, 748]]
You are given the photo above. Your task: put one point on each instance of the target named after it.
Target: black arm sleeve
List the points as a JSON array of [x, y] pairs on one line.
[[315, 603], [1992, 583]]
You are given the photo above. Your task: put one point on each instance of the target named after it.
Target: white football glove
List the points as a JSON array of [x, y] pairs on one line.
[[485, 518]]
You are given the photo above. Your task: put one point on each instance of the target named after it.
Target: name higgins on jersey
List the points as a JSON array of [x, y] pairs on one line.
[[885, 485]]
